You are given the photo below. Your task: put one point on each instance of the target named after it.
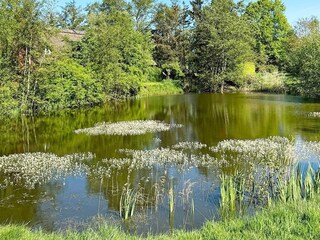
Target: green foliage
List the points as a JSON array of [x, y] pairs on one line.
[[22, 45], [228, 192], [243, 75], [71, 17], [172, 70], [141, 11], [9, 103], [284, 186], [128, 202], [166, 33], [305, 62], [64, 83], [128, 44], [120, 84], [119, 55], [247, 68], [271, 30], [221, 41], [171, 37]]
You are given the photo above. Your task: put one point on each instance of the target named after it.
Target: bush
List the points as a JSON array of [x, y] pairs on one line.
[[269, 82], [118, 83], [65, 84]]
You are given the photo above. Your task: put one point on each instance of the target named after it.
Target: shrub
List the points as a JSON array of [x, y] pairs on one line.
[[65, 84]]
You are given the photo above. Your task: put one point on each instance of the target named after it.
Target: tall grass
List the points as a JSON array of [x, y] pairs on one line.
[[128, 202], [165, 87], [171, 204], [298, 184], [269, 82]]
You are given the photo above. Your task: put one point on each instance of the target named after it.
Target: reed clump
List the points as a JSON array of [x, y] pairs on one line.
[[128, 201], [238, 195]]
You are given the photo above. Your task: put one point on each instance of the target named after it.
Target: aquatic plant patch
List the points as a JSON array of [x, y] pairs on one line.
[[265, 150], [313, 147], [124, 128], [274, 151], [189, 145], [162, 156], [314, 114], [30, 169]]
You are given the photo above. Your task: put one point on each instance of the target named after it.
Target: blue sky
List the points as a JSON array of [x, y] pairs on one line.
[[301, 8], [295, 8]]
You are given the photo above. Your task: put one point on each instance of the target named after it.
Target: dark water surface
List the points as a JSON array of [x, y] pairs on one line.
[[76, 201]]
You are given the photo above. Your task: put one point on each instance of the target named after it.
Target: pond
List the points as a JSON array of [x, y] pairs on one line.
[[174, 182]]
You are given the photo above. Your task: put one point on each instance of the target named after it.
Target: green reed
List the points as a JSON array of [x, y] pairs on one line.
[[171, 196], [237, 195], [171, 204], [128, 202], [228, 191]]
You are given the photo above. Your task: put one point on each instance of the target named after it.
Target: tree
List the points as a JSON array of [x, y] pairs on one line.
[[120, 55], [50, 16], [63, 83], [221, 41], [71, 17], [170, 33], [306, 27], [112, 6], [142, 11], [304, 57], [197, 10], [22, 43], [271, 30]]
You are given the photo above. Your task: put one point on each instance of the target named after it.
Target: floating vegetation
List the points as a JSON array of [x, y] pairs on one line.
[[30, 169], [117, 163], [314, 114], [313, 147], [161, 156], [272, 149], [189, 145], [125, 128], [99, 172]]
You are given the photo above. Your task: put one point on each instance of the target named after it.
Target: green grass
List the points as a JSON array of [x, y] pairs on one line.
[[165, 87], [295, 220]]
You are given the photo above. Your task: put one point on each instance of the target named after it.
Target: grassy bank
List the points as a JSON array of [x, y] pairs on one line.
[[166, 87], [297, 220]]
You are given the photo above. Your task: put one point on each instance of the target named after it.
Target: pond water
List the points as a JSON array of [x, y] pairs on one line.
[[80, 200]]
